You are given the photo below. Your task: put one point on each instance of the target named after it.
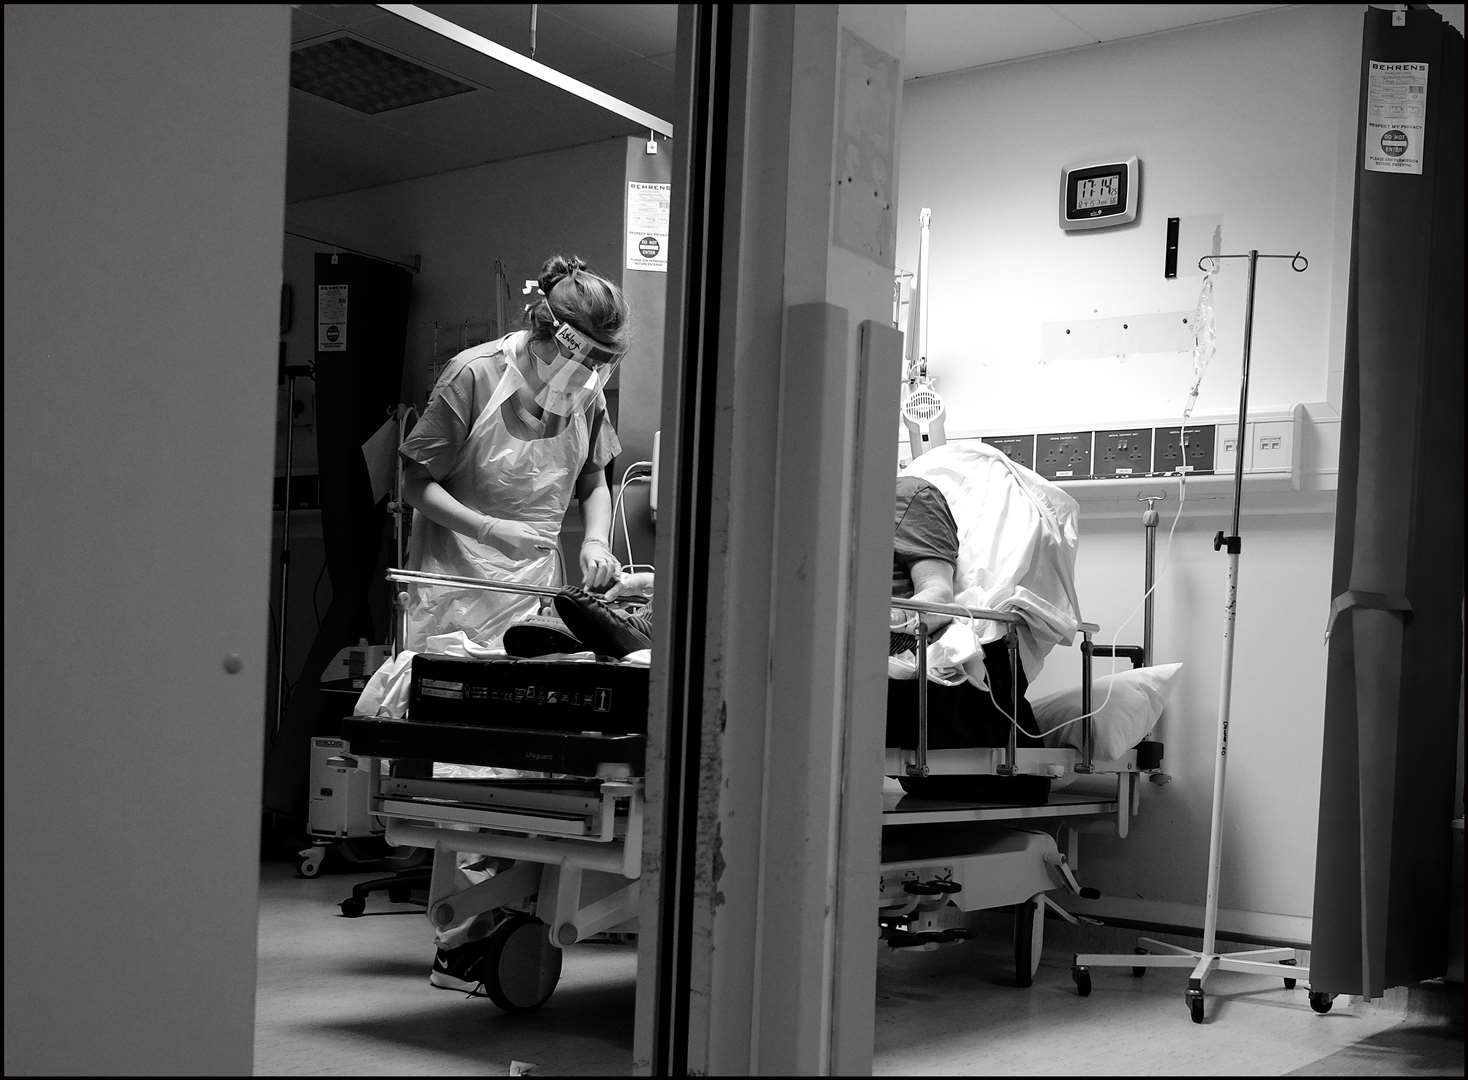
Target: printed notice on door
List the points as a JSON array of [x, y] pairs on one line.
[[331, 318], [1396, 117], [648, 212]]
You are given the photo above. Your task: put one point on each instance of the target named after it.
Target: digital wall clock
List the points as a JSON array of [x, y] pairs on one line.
[[1098, 195]]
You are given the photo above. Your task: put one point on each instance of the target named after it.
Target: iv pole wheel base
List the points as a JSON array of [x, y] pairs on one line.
[[1290, 983], [1320, 1001], [353, 906], [1195, 1005], [1082, 977]]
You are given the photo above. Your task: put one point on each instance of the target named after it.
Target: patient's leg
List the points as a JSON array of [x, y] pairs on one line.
[[601, 628]]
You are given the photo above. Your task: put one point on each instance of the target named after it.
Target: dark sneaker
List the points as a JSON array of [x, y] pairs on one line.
[[457, 969], [540, 635], [603, 629]]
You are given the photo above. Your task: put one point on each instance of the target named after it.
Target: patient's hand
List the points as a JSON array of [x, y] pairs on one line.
[[639, 584]]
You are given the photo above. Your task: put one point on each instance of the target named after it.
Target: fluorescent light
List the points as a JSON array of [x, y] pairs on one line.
[[495, 51]]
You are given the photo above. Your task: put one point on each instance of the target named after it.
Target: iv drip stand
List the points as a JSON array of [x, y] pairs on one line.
[[1152, 953]]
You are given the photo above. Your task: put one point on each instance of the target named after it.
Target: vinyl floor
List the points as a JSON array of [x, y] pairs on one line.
[[350, 997]]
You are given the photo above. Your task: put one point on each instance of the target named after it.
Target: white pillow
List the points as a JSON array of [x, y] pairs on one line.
[[1137, 699]]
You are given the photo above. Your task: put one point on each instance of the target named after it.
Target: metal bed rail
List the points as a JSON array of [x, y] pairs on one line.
[[1010, 765]]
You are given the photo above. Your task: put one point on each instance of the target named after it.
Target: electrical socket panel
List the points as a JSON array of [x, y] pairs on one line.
[[1192, 452], [1272, 447], [1064, 455], [1123, 452], [1020, 449]]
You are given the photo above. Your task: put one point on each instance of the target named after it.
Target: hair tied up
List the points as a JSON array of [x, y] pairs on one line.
[[557, 269]]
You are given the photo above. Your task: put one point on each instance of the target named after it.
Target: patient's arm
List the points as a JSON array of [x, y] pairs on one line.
[[932, 583]]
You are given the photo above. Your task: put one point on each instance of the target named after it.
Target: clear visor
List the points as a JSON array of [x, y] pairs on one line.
[[586, 364]]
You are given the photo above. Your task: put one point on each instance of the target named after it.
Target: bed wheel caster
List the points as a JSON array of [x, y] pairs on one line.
[[1082, 977], [521, 967], [1289, 983], [1320, 1001], [1140, 970], [353, 906], [311, 860], [1195, 1005]]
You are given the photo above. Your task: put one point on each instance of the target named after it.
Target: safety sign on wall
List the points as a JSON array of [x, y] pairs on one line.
[[1396, 117], [331, 318], [648, 212]]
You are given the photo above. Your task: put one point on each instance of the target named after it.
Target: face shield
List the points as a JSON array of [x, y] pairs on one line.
[[580, 372]]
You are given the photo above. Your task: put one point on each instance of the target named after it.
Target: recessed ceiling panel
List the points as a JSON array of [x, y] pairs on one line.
[[363, 77]]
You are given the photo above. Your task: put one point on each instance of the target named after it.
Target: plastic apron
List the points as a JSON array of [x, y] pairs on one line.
[[500, 474]]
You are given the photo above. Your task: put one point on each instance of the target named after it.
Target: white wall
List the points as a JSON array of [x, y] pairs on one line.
[[144, 185], [1251, 121]]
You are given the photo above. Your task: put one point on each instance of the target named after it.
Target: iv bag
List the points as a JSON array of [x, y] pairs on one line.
[[1204, 338]]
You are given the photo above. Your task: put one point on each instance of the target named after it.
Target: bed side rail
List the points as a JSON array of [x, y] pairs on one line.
[[1010, 766]]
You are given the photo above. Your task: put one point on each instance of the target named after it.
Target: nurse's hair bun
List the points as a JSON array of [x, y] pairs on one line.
[[580, 296], [557, 268]]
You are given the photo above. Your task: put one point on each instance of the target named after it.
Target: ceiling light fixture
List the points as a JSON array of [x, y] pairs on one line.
[[495, 51]]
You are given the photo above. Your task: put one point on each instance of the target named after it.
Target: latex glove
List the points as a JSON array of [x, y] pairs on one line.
[[512, 537], [638, 584], [599, 567]]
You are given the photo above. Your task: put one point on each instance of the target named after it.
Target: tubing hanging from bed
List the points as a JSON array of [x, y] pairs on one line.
[[1394, 667]]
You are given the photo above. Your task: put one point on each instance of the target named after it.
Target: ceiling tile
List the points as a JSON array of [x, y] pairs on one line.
[[645, 29], [644, 83], [953, 37], [333, 149], [560, 44]]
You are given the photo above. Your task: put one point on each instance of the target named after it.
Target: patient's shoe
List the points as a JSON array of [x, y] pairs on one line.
[[540, 635], [602, 629], [458, 968]]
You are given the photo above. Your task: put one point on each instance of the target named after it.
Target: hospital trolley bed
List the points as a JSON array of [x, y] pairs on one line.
[[976, 824], [565, 843]]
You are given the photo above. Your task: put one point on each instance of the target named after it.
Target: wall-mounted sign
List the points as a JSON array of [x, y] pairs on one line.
[[331, 318], [648, 210], [1396, 117]]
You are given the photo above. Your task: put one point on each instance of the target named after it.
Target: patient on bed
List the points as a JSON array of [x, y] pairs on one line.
[[925, 553], [924, 560]]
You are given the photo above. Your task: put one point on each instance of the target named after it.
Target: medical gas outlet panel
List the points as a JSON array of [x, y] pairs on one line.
[[1207, 446]]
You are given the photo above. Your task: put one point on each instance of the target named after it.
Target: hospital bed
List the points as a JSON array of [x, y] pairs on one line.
[[978, 826], [971, 829]]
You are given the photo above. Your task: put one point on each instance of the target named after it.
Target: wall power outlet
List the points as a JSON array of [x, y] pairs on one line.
[[1064, 455], [1020, 449], [1175, 449]]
